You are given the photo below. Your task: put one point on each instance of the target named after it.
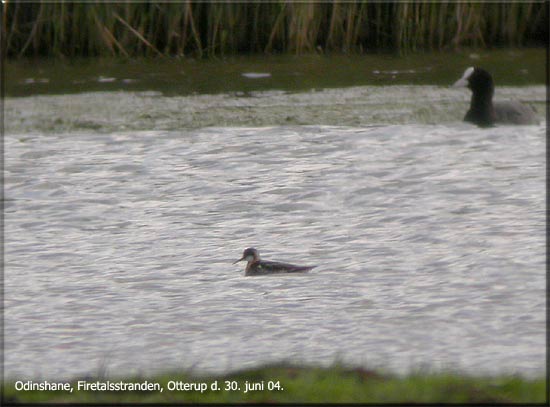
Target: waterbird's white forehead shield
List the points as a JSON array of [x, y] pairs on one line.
[[463, 82]]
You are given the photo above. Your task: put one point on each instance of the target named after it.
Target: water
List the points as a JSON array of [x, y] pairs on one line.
[[124, 211], [185, 76]]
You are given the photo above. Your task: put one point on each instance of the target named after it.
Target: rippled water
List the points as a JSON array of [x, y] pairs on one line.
[[429, 238]]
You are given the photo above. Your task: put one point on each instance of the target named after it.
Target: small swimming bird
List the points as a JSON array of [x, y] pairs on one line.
[[483, 111], [257, 267]]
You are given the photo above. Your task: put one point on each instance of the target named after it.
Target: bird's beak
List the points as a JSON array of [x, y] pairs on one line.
[[241, 259], [461, 83]]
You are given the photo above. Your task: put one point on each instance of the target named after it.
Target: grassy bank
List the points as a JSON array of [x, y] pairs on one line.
[[315, 385], [70, 29]]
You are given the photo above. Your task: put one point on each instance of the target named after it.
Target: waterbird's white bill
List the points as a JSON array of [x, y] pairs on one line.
[[463, 82]]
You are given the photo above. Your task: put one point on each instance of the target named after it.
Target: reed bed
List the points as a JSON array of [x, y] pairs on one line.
[[210, 29]]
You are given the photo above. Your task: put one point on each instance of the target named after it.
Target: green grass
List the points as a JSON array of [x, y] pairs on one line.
[[313, 385]]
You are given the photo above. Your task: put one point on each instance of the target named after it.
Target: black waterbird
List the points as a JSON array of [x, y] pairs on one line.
[[483, 111]]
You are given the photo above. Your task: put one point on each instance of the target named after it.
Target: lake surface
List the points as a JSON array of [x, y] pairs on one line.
[[125, 209]]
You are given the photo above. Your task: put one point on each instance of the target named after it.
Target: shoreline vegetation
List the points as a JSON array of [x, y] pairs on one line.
[[218, 29], [284, 383]]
